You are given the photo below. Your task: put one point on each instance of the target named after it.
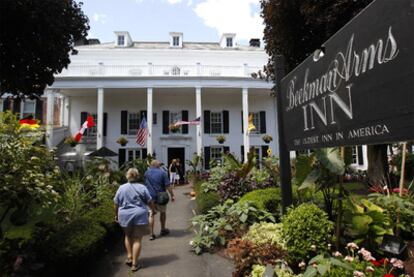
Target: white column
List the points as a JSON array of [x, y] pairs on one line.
[[149, 121], [198, 128], [99, 135], [62, 110], [66, 108], [49, 117], [245, 103]]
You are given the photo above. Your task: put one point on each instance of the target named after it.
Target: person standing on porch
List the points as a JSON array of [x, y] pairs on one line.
[[156, 180], [131, 212]]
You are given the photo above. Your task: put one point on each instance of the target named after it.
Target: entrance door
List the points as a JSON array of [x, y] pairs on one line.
[[177, 153]]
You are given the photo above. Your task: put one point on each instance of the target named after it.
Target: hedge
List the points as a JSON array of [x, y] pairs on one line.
[[264, 199]]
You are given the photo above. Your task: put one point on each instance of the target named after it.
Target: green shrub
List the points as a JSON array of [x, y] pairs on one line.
[[206, 201], [103, 215], [264, 199], [306, 230], [265, 233]]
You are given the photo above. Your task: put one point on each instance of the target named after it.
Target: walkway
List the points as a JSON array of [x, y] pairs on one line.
[[168, 256]]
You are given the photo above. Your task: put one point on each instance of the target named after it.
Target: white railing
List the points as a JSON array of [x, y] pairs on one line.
[[108, 70]]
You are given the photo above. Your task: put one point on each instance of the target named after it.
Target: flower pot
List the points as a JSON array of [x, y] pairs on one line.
[[221, 141], [267, 141]]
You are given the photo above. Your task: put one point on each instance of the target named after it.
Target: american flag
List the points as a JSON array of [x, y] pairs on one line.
[[142, 132], [192, 122]]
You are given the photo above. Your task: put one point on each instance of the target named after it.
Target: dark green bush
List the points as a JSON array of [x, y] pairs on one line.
[[206, 200], [306, 231], [103, 215], [264, 199]]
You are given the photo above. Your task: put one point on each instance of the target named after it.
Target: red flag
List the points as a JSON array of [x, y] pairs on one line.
[[89, 123]]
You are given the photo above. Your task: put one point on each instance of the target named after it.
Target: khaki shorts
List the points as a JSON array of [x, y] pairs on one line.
[[159, 208], [136, 231]]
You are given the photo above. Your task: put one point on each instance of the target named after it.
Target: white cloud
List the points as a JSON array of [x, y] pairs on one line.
[[99, 17], [174, 1], [232, 16]]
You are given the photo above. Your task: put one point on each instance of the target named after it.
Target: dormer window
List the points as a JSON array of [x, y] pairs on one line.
[[229, 42], [121, 40], [176, 41]]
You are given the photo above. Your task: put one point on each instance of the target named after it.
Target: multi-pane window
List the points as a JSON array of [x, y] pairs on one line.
[[229, 42], [93, 130], [121, 40], [133, 123], [256, 123], [176, 41], [29, 108], [175, 71], [216, 153], [354, 155], [216, 121], [133, 154], [175, 117]]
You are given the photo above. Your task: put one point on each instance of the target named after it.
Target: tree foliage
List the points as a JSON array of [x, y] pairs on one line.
[[36, 38], [295, 28]]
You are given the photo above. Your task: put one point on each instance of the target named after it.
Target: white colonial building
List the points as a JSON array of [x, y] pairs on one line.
[[120, 82]]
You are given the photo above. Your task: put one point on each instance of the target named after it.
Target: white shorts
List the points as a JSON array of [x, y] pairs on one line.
[[173, 177]]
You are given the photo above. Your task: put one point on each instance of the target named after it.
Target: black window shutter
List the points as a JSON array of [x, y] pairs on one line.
[[226, 122], [124, 122], [154, 118], [165, 122], [121, 157], [206, 122], [83, 117], [242, 153], [16, 105], [6, 104], [143, 114], [242, 127], [39, 109], [144, 153], [184, 117], [264, 151], [207, 157], [105, 123], [226, 150], [263, 122], [360, 155]]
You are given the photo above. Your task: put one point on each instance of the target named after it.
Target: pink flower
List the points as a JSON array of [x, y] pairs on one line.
[[366, 254], [369, 269], [302, 264], [349, 259], [358, 274], [352, 245], [315, 265], [397, 263], [337, 254]]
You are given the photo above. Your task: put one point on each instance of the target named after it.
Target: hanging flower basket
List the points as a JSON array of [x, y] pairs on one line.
[[71, 141], [221, 139], [174, 128], [267, 138], [122, 141]]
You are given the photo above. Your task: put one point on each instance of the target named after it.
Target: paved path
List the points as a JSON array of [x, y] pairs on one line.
[[168, 256]]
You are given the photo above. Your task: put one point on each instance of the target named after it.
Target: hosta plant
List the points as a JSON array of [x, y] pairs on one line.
[[265, 233]]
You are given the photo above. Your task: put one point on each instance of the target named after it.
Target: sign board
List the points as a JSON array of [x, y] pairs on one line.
[[362, 90]]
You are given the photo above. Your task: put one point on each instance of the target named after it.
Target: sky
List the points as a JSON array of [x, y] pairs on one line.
[[152, 20]]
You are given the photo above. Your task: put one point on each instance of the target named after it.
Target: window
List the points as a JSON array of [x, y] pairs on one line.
[[175, 117], [121, 40], [133, 123], [216, 153], [216, 121], [1, 105], [354, 155], [133, 154], [176, 41], [29, 108], [256, 123], [91, 132], [229, 42], [175, 71]]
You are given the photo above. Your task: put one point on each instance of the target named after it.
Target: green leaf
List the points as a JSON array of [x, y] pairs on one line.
[[303, 167], [340, 264], [378, 231], [331, 160], [322, 269], [361, 223], [310, 180], [371, 206], [310, 272], [228, 227], [243, 218]]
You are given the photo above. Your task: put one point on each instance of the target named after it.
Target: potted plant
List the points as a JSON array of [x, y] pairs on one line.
[[71, 141], [221, 139], [267, 138], [174, 128], [122, 141]]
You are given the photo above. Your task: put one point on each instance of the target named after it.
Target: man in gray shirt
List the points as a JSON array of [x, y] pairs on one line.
[[156, 180]]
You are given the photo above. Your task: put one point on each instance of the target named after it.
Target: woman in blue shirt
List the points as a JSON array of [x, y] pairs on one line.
[[131, 212]]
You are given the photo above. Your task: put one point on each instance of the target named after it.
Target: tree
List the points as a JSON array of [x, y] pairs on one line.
[[36, 38], [296, 28]]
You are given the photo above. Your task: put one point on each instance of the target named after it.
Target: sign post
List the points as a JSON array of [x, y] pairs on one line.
[[284, 156]]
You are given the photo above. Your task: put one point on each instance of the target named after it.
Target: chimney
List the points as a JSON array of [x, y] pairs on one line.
[[254, 42]]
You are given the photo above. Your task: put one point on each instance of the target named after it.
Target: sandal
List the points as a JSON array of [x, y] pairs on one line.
[[165, 232], [128, 262], [153, 237], [135, 268]]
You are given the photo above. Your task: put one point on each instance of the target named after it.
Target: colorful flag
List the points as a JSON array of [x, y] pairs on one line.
[[29, 123], [192, 122], [251, 126], [89, 123], [142, 132]]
